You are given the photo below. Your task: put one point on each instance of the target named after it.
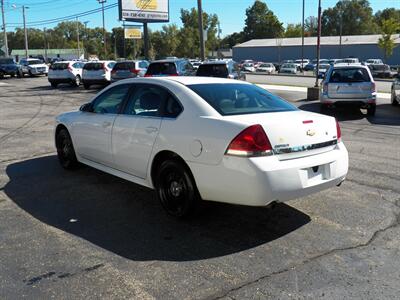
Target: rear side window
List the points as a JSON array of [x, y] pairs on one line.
[[124, 66], [210, 70], [238, 99], [350, 75], [111, 65], [162, 68], [93, 66]]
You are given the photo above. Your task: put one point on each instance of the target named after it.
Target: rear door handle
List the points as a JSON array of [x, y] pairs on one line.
[[151, 129], [106, 124]]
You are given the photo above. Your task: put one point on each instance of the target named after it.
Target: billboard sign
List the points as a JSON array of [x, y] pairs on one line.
[[133, 33], [144, 11]]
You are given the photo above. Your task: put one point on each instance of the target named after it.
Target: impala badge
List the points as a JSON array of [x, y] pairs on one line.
[[310, 132]]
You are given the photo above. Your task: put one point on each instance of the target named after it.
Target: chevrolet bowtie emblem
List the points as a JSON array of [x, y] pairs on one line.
[[310, 132]]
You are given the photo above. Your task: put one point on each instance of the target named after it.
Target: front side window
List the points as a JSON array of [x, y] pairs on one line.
[[237, 99], [111, 100]]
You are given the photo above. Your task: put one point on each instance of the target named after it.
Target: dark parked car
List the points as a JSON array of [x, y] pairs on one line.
[[9, 67], [222, 69], [380, 70], [170, 67]]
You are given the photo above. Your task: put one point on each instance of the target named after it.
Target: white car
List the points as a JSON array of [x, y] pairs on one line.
[[66, 72], [248, 67], [349, 85], [374, 61], [193, 138], [301, 63], [97, 72], [266, 67], [33, 66]]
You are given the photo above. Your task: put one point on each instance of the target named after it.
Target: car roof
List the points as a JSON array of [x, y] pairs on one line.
[[186, 80], [348, 65], [217, 62], [168, 60]]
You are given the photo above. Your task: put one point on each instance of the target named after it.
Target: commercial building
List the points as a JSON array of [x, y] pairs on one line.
[[67, 54], [278, 49]]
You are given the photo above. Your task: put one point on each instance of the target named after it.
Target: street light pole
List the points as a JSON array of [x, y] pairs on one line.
[[87, 38], [318, 43], [25, 31], [340, 33], [104, 27], [201, 31], [302, 40], [77, 32], [4, 28]]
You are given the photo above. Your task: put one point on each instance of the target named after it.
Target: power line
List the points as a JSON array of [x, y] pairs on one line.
[[66, 18]]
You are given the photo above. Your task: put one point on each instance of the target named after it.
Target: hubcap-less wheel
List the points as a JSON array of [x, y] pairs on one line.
[[394, 100], [65, 150], [77, 80], [176, 189]]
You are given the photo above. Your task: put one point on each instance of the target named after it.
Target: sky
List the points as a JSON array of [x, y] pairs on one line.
[[231, 13]]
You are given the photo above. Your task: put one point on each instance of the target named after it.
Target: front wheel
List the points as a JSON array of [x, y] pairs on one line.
[[77, 81], [65, 150], [176, 189], [393, 98], [53, 84], [86, 86], [371, 110]]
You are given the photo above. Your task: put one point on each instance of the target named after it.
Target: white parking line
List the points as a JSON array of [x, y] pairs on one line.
[[304, 89]]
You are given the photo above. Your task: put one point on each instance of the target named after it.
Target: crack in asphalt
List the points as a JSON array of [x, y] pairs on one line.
[[393, 224]]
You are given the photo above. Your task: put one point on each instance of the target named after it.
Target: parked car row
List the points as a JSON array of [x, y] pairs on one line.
[[26, 66]]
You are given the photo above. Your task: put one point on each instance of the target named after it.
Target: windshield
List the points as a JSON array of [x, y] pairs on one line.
[[35, 62], [238, 99], [161, 68], [93, 66], [350, 75], [289, 66]]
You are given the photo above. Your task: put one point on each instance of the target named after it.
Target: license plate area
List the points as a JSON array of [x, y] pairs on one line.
[[316, 174]]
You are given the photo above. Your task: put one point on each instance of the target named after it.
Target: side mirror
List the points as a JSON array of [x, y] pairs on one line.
[[87, 107]]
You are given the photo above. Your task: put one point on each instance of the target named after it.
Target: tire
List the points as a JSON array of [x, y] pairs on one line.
[[65, 150], [77, 81], [1, 75], [86, 86], [393, 99], [176, 189], [54, 85], [371, 110], [20, 74], [30, 74]]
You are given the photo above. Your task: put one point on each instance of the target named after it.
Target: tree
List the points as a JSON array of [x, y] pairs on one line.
[[386, 43], [354, 15], [386, 14], [232, 39], [261, 22], [293, 30], [311, 26]]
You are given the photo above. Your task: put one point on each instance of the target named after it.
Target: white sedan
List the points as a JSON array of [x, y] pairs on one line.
[[193, 138]]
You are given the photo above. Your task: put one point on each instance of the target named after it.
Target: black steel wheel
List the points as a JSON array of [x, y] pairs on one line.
[[65, 150], [176, 189], [77, 81], [371, 110], [53, 84], [394, 101]]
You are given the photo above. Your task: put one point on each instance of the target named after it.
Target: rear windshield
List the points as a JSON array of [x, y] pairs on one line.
[[6, 61], [93, 66], [210, 70], [238, 99], [35, 62], [349, 75], [60, 66], [161, 68], [379, 67], [124, 66]]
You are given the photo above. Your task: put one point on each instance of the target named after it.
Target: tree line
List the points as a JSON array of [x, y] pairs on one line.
[[349, 17]]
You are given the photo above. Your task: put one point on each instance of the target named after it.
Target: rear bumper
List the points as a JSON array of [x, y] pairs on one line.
[[61, 80], [95, 81], [259, 181], [362, 102]]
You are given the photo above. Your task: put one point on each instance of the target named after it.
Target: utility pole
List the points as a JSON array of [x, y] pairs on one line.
[[45, 44], [77, 32], [318, 43], [123, 26], [4, 28], [146, 41], [25, 31], [104, 26], [87, 38], [302, 40], [201, 31], [340, 33]]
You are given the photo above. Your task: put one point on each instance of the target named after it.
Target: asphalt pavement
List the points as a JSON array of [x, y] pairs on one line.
[[89, 235]]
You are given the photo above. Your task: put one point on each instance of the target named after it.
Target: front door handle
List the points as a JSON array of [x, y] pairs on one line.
[[151, 129], [106, 124]]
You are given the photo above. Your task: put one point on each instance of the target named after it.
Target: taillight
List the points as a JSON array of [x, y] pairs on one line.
[[325, 88], [104, 67], [69, 68], [173, 74], [338, 132], [373, 87], [250, 142], [148, 75], [134, 71]]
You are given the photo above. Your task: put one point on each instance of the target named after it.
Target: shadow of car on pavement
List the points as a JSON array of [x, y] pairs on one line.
[[127, 219]]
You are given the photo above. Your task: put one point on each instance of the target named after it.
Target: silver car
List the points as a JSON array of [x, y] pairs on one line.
[[129, 69], [349, 85], [290, 68]]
